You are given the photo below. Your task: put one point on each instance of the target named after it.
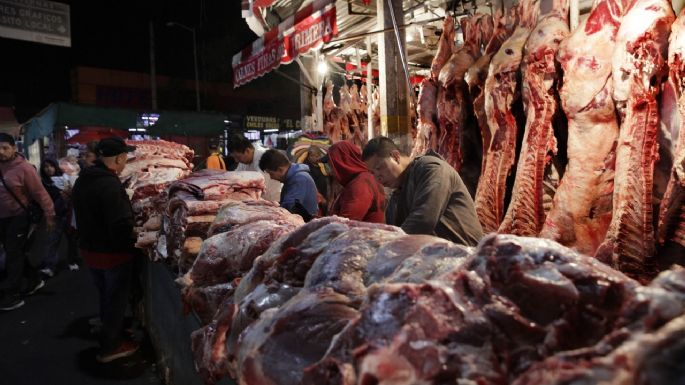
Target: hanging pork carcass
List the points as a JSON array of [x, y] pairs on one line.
[[541, 78], [582, 207], [639, 67], [501, 98], [671, 231]]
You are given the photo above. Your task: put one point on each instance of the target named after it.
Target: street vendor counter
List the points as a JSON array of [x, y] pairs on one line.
[[168, 328]]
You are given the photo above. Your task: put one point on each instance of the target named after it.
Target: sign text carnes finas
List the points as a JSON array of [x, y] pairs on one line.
[[38, 21], [308, 33]]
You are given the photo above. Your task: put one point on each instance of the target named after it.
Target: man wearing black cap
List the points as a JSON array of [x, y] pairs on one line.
[[104, 218]]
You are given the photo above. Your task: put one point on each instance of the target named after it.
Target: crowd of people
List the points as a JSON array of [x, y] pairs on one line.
[[428, 196], [81, 199]]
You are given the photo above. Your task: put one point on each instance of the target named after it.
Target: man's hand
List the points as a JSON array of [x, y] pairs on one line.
[[50, 223]]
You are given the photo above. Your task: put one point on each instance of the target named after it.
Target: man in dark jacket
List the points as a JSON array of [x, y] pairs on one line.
[[429, 197], [104, 218], [298, 194]]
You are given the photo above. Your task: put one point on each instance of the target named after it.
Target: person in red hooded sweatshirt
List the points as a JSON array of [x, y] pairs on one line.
[[362, 197]]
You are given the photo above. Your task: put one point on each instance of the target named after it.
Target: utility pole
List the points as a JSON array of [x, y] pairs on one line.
[[153, 67], [197, 78]]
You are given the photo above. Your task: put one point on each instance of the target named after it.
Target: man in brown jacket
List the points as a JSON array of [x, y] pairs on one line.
[[429, 198], [20, 185]]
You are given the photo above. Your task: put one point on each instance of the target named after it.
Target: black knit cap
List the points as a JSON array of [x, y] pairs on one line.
[[113, 146]]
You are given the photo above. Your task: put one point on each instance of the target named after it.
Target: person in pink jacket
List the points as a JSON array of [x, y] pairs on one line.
[[20, 186]]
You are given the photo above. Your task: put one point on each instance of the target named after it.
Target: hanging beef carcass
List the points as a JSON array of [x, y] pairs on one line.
[[375, 112], [445, 47], [475, 79], [428, 130], [501, 96], [335, 120], [452, 96], [471, 144], [359, 136], [639, 67], [671, 231], [582, 208], [541, 76], [428, 116]]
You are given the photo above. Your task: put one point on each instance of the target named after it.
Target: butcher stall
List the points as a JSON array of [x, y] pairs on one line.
[[566, 131]]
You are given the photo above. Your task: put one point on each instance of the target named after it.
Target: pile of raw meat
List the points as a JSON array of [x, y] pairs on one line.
[[343, 302], [184, 213], [153, 165], [348, 121], [573, 136]]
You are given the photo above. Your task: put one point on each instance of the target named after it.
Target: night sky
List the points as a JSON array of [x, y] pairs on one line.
[[114, 34]]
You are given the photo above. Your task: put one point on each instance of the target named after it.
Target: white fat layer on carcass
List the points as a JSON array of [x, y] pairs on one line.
[[161, 247], [636, 23]]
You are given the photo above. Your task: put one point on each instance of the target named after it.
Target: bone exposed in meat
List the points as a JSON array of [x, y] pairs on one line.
[[639, 68], [501, 94], [671, 231], [581, 211], [525, 214]]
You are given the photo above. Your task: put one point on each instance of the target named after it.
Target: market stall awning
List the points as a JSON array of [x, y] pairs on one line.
[[69, 114], [187, 123], [308, 29]]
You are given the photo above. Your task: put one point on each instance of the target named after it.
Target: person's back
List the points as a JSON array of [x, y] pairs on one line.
[[362, 197], [103, 212], [215, 161], [298, 194]]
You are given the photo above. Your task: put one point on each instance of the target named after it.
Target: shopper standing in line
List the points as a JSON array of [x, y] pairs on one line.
[[215, 161], [429, 198], [248, 156], [104, 218], [362, 197], [299, 190], [19, 187]]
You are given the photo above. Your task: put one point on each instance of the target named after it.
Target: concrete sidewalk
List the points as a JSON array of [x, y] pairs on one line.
[[48, 340]]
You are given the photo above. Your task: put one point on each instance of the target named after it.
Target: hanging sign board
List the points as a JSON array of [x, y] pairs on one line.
[[38, 21], [308, 29]]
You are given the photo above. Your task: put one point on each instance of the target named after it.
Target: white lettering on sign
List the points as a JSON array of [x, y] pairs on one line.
[[36, 20]]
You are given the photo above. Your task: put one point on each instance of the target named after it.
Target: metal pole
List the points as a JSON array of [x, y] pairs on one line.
[[400, 48], [197, 79], [153, 69]]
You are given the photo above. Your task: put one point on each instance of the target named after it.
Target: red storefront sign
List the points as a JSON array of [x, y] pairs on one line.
[[310, 28]]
